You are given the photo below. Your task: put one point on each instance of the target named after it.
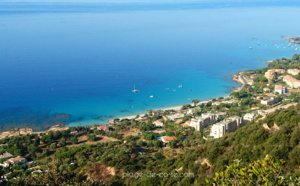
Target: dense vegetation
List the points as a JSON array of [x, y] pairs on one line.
[[247, 144]]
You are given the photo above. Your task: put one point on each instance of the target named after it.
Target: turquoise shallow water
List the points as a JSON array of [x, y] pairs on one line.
[[83, 60]]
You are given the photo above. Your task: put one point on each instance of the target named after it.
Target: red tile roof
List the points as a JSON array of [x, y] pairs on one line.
[[16, 159], [102, 128], [170, 138], [185, 125]]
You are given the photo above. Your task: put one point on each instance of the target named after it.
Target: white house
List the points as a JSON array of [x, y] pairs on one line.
[[250, 116], [15, 160], [280, 89], [158, 123], [175, 117], [6, 155]]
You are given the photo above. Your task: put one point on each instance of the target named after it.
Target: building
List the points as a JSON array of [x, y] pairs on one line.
[[175, 117], [158, 123], [280, 89], [229, 125], [250, 116], [186, 124], [266, 89], [218, 130], [269, 100], [270, 94], [6, 155], [167, 139], [216, 103], [74, 132], [270, 74], [293, 71], [204, 121], [103, 128], [14, 161], [291, 81]]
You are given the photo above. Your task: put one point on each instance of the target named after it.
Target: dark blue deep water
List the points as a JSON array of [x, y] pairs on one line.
[[76, 63]]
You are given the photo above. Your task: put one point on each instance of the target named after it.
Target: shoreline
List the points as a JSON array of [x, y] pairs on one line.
[[177, 108], [29, 130]]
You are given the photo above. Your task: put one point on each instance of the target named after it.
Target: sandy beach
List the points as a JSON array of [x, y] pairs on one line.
[[176, 108]]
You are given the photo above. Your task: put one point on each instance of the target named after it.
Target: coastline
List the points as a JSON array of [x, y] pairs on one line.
[[237, 78], [29, 130], [292, 40]]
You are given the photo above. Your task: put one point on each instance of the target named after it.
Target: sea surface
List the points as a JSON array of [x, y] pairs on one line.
[[76, 62]]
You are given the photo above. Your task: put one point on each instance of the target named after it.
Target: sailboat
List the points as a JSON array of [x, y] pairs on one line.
[[134, 90]]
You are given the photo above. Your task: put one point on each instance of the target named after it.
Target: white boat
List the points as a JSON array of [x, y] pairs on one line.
[[250, 47], [180, 86], [151, 96], [134, 90]]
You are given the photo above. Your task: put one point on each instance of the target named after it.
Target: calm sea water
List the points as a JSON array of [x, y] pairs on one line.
[[83, 59]]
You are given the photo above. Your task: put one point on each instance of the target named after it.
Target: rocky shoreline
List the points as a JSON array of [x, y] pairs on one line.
[[294, 39]]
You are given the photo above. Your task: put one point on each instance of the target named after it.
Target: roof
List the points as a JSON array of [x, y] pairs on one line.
[[187, 122], [6, 155], [19, 158], [270, 94], [185, 125], [278, 87], [216, 103], [33, 168], [169, 138], [290, 78], [266, 88], [294, 71], [102, 128], [158, 122]]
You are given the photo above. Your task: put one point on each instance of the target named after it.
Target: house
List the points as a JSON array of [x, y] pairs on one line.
[[189, 112], [270, 73], [103, 128], [216, 103], [167, 139], [266, 89], [293, 71], [186, 124], [14, 161], [6, 155], [158, 123], [269, 100], [291, 81], [73, 132], [250, 116], [175, 117], [280, 89], [270, 94]]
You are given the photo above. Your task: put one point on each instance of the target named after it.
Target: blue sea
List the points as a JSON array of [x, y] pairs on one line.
[[76, 62]]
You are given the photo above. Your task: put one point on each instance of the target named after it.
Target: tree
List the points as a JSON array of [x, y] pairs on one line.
[[74, 140], [62, 142], [267, 171], [91, 137], [195, 101], [53, 146], [159, 156], [295, 57]]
